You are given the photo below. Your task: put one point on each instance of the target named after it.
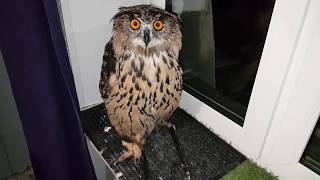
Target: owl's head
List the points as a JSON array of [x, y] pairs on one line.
[[147, 30]]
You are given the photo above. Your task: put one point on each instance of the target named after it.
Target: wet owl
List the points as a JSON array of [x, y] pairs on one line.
[[141, 80]]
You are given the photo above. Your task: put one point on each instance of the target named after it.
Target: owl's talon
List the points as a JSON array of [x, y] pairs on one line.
[[124, 156], [136, 161], [132, 150], [173, 126], [168, 125]]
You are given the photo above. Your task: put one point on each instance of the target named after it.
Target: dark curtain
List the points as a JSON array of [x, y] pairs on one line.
[[35, 54]]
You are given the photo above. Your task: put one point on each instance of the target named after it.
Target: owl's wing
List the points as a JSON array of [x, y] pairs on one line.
[[108, 67]]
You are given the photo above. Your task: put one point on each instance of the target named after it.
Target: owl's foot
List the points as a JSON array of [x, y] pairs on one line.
[[132, 150], [170, 125]]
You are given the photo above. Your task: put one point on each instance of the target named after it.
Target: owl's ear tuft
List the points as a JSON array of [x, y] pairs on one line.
[[176, 17], [120, 13], [130, 10]]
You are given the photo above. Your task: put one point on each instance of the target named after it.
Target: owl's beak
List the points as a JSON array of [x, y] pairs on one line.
[[146, 37]]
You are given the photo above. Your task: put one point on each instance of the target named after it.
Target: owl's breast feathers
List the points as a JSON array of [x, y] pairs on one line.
[[140, 92]]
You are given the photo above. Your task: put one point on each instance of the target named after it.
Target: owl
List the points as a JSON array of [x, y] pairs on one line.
[[141, 80]]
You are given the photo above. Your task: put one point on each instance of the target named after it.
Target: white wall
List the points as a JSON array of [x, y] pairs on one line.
[[88, 29], [159, 3]]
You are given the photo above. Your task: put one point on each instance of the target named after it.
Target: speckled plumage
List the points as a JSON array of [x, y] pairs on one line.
[[141, 82]]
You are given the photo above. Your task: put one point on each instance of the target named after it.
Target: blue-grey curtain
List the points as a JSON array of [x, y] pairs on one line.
[[35, 54]]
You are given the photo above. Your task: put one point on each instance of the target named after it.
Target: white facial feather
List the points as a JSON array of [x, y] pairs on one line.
[[138, 42]]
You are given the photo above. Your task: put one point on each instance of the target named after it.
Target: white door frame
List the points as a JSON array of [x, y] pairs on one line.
[[284, 31], [299, 107]]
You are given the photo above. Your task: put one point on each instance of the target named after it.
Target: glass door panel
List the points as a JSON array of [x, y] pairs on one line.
[[222, 47], [311, 155]]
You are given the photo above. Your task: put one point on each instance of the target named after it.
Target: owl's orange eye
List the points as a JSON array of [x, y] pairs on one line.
[[135, 24], [158, 25]]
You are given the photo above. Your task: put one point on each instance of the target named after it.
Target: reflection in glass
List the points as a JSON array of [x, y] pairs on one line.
[[222, 46], [311, 155]]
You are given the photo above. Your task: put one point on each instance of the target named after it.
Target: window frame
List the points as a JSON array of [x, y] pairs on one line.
[[284, 30]]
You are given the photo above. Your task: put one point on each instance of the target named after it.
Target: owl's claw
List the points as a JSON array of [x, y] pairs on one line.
[[132, 150], [123, 156], [173, 126], [169, 125]]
